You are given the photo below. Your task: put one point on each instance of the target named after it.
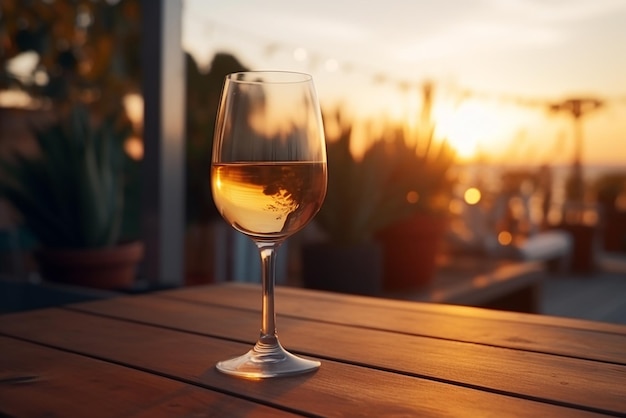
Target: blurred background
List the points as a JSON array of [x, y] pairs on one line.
[[512, 115]]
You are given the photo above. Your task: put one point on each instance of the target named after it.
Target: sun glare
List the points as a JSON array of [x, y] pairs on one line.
[[471, 127]]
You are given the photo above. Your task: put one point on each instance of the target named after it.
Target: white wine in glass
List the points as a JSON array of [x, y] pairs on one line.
[[268, 177]]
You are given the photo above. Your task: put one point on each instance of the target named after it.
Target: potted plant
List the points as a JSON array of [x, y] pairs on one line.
[[367, 198], [610, 191], [420, 196], [70, 196], [204, 222], [346, 259]]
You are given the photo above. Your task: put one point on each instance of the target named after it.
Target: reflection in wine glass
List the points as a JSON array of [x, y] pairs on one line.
[[268, 177]]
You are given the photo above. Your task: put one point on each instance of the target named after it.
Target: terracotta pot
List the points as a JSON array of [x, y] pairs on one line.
[[410, 250], [354, 269], [585, 246], [614, 231], [103, 268]]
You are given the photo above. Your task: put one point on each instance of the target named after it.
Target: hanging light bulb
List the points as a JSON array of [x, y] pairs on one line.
[[300, 54], [331, 65]]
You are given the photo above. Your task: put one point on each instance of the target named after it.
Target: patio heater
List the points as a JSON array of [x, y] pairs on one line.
[[577, 108], [583, 257]]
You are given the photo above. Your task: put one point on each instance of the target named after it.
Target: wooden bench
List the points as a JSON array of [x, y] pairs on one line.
[[483, 282]]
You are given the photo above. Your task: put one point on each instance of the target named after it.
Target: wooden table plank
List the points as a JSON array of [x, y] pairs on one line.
[[336, 389], [470, 325], [455, 310], [562, 379], [37, 381], [230, 294]]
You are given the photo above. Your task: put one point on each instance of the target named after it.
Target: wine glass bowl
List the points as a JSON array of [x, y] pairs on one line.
[[268, 201], [268, 177]]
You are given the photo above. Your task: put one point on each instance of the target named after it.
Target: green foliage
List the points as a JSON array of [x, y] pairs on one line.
[[203, 96], [395, 177], [85, 49], [71, 195]]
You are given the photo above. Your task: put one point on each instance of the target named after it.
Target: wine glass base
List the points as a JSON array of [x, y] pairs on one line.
[[267, 360]]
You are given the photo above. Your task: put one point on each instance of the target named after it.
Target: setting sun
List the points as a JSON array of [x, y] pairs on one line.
[[471, 126], [490, 66]]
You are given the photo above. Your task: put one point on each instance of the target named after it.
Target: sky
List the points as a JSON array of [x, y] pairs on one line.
[[496, 65]]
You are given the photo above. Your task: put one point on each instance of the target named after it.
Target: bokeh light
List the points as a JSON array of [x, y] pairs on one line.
[[472, 196]]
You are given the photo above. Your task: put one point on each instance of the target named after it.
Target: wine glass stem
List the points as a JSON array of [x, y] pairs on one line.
[[268, 263]]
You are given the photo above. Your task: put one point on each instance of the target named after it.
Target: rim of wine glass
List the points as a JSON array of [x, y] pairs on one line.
[[276, 77]]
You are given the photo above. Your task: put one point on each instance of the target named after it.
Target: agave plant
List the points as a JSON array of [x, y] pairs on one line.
[[392, 180], [421, 180], [71, 194]]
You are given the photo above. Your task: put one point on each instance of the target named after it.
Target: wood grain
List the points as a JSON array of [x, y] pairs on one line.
[[38, 381], [563, 380], [336, 389], [238, 294], [475, 325]]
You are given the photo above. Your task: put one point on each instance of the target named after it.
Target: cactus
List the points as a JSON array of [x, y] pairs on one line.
[[71, 194]]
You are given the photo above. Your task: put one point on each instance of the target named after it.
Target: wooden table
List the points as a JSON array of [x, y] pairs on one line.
[[153, 355]]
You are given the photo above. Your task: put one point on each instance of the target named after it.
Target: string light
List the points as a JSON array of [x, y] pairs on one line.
[[332, 65], [300, 54]]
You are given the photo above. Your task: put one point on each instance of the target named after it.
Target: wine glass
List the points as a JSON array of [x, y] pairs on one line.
[[268, 177]]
